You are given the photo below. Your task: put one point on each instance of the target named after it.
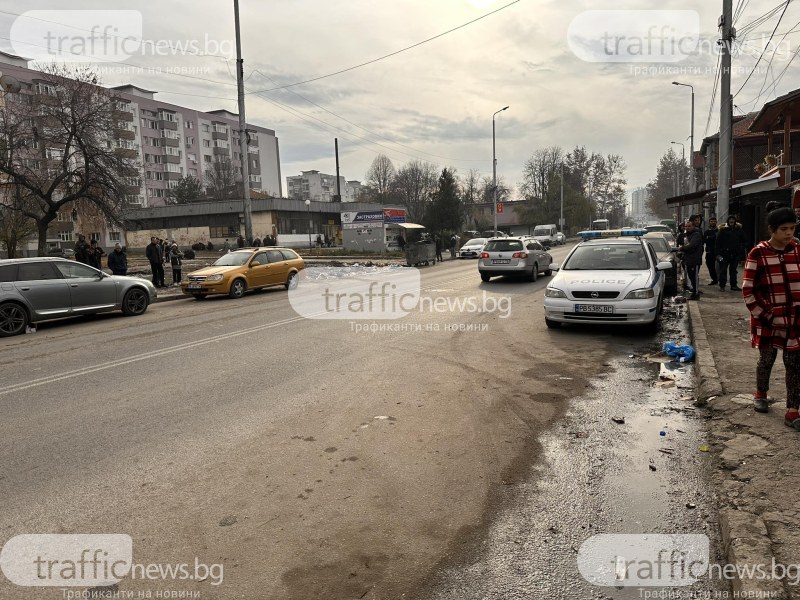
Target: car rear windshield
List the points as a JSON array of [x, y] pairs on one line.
[[617, 257], [476, 242], [233, 259], [503, 245]]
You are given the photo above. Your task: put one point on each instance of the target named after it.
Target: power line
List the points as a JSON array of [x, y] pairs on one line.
[[785, 6], [374, 60], [713, 96]]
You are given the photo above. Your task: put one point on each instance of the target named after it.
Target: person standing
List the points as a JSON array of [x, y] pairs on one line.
[[240, 241], [257, 242], [692, 257], [156, 257], [771, 291], [710, 240], [82, 250], [94, 254], [730, 246], [401, 242], [176, 260], [437, 241], [118, 261]]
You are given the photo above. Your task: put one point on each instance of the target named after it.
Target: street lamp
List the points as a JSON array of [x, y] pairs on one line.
[[308, 209], [494, 172], [691, 144], [683, 162]]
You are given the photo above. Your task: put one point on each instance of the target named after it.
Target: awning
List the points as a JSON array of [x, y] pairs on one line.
[[409, 225]]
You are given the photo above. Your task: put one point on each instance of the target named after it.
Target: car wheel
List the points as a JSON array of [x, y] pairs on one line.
[[13, 319], [485, 277], [535, 272], [291, 282], [548, 272], [552, 324], [135, 302], [238, 288]]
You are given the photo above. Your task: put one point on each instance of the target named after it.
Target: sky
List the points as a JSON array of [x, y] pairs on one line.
[[572, 73]]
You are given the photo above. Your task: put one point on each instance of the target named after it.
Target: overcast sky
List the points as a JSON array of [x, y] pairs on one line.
[[435, 102]]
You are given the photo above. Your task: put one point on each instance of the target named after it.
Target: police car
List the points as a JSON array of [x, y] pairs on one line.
[[612, 277]]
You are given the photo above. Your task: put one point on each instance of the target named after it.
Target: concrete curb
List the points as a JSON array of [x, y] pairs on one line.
[[745, 536], [172, 297]]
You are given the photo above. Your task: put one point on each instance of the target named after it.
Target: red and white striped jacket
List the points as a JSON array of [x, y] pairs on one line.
[[771, 291]]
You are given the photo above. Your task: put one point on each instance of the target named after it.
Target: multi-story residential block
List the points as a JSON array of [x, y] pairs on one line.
[[171, 141], [313, 185], [352, 191], [640, 207]]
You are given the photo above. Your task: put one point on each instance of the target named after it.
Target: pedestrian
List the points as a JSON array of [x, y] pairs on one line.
[[319, 241], [118, 261], [257, 242], [155, 255], [240, 241], [437, 240], [95, 254], [401, 242], [731, 247], [771, 291], [176, 260], [710, 240], [692, 257], [227, 245], [82, 250], [453, 246]]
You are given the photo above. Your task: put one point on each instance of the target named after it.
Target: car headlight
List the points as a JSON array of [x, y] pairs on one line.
[[554, 293], [642, 294], [217, 277]]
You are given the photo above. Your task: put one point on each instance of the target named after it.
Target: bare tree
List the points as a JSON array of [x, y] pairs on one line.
[[59, 144], [15, 227], [223, 180], [415, 185], [487, 190], [470, 186], [379, 177]]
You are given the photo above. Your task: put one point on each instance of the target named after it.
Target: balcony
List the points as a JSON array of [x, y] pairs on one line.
[[217, 151], [168, 158], [124, 134], [170, 125], [219, 135], [170, 142], [169, 176]]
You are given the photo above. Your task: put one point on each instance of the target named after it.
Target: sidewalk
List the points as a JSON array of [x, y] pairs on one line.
[[758, 479]]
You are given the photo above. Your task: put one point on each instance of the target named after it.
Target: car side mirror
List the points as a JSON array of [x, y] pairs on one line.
[[554, 266], [664, 265]]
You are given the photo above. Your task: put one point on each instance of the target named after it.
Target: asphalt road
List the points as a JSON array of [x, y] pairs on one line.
[[309, 459]]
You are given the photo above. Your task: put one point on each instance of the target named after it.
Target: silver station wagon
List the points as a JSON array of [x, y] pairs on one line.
[[38, 289]]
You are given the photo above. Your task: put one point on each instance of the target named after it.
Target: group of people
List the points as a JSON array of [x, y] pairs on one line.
[[91, 254], [725, 247], [160, 252], [241, 242]]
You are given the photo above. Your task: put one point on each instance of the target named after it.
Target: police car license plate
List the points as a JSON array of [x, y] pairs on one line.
[[501, 261], [594, 308], [194, 286]]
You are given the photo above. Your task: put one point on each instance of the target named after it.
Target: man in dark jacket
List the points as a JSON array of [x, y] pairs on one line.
[[82, 250], [710, 240], [118, 261], [156, 257], [731, 250], [692, 257], [95, 255]]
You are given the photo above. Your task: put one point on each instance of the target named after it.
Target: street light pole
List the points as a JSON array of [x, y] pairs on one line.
[[494, 173], [683, 162], [561, 220], [308, 210], [691, 143]]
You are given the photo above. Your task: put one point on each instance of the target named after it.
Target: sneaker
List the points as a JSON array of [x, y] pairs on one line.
[[792, 418], [735, 288], [722, 288], [760, 405]]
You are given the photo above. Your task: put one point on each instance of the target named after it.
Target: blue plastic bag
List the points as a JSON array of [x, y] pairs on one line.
[[683, 353]]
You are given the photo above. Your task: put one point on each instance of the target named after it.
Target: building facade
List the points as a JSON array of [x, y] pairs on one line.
[[315, 186], [640, 207]]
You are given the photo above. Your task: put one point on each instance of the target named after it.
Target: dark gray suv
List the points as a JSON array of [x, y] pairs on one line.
[[38, 289]]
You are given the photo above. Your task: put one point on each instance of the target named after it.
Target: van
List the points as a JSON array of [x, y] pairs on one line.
[[546, 235]]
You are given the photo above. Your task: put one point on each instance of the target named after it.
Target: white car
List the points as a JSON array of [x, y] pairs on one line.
[[616, 281], [472, 249]]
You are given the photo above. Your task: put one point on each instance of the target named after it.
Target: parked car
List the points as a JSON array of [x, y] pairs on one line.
[[561, 238], [652, 228], [547, 235], [472, 249], [61, 252], [665, 252], [615, 281], [38, 289], [492, 234], [247, 269], [514, 256]]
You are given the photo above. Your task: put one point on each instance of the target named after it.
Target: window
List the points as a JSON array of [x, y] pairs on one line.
[[115, 236], [192, 157], [189, 124], [207, 158], [8, 273], [167, 116], [37, 271], [64, 217], [54, 153], [289, 254], [260, 259], [172, 151], [220, 129], [94, 237], [218, 232], [220, 143], [168, 133], [75, 270], [189, 141], [171, 184], [46, 88], [206, 128], [255, 178], [65, 236], [193, 173], [275, 256], [174, 168], [255, 163], [206, 143]]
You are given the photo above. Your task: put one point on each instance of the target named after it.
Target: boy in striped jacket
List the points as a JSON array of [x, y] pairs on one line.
[[771, 291]]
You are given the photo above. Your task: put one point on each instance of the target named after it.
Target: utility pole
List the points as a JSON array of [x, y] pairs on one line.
[[243, 138], [725, 132], [494, 173], [561, 220], [338, 187]]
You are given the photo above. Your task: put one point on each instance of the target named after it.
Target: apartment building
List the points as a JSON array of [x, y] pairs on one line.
[[172, 141], [315, 186]]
